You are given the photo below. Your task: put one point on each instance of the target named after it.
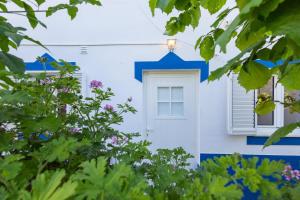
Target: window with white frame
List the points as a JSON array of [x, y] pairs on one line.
[[170, 102], [242, 118]]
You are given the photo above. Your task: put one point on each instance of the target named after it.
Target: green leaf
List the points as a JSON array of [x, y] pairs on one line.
[[48, 186], [10, 166], [254, 76], [31, 15], [166, 5], [58, 149], [72, 11], [280, 133], [265, 107], [285, 20], [14, 63], [195, 14], [212, 6], [152, 5], [291, 79], [207, 48], [227, 35], [248, 37]]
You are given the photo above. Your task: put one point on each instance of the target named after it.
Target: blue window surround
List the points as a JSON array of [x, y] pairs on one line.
[[37, 66], [257, 140], [171, 61]]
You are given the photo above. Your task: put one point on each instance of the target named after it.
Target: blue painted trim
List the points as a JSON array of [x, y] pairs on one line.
[[294, 161], [254, 140], [270, 64], [37, 66], [170, 62]]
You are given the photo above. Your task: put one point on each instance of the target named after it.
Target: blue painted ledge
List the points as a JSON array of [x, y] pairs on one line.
[[254, 140], [171, 61]]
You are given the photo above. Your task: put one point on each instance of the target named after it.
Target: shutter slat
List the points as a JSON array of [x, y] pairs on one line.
[[242, 109]]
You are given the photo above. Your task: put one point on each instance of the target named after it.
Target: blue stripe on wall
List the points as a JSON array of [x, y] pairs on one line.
[[171, 62], [254, 140]]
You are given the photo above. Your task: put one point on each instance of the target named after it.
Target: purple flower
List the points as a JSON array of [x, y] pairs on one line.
[[46, 81], [108, 107], [75, 130], [96, 84], [114, 140], [129, 99]]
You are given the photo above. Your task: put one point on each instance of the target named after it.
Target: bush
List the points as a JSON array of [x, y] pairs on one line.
[[55, 144]]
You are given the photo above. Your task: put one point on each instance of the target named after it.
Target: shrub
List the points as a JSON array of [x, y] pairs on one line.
[[55, 144]]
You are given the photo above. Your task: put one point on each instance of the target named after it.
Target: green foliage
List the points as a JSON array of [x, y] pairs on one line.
[[261, 29]]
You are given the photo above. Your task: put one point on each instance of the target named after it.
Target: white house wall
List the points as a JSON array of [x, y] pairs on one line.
[[122, 32]]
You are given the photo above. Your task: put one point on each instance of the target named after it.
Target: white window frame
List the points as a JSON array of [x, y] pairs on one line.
[[265, 130], [170, 101], [260, 130]]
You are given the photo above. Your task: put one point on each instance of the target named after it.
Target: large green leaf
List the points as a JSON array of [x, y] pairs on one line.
[[285, 20], [254, 76], [291, 79], [207, 48], [50, 186], [265, 107], [14, 63], [280, 133], [227, 35], [213, 6]]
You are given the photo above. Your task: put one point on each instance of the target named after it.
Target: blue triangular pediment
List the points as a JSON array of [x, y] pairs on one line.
[[173, 62], [171, 58], [38, 66]]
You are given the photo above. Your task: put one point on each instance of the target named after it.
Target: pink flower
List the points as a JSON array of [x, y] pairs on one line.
[[96, 84], [108, 107]]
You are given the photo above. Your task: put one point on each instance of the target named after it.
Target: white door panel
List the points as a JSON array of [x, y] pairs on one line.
[[171, 105]]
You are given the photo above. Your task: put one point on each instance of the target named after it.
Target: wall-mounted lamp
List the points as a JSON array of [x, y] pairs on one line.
[[171, 44]]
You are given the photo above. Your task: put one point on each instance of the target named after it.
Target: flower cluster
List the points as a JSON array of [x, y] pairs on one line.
[[96, 84], [46, 81], [290, 174], [115, 140], [108, 107]]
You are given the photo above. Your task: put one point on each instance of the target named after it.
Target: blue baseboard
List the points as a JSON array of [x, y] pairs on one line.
[[294, 161]]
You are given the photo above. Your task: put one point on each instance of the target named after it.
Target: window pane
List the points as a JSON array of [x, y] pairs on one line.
[[163, 94], [177, 94], [288, 116], [267, 91], [177, 109], [163, 109]]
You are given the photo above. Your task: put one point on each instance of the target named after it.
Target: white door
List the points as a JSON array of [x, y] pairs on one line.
[[172, 114]]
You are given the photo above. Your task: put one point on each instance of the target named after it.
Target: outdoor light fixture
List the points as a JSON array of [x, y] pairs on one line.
[[171, 44]]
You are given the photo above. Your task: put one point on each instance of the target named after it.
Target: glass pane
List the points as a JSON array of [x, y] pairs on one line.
[[266, 91], [163, 94], [177, 93], [177, 109], [163, 109], [288, 116]]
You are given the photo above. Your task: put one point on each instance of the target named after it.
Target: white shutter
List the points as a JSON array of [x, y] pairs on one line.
[[241, 109]]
